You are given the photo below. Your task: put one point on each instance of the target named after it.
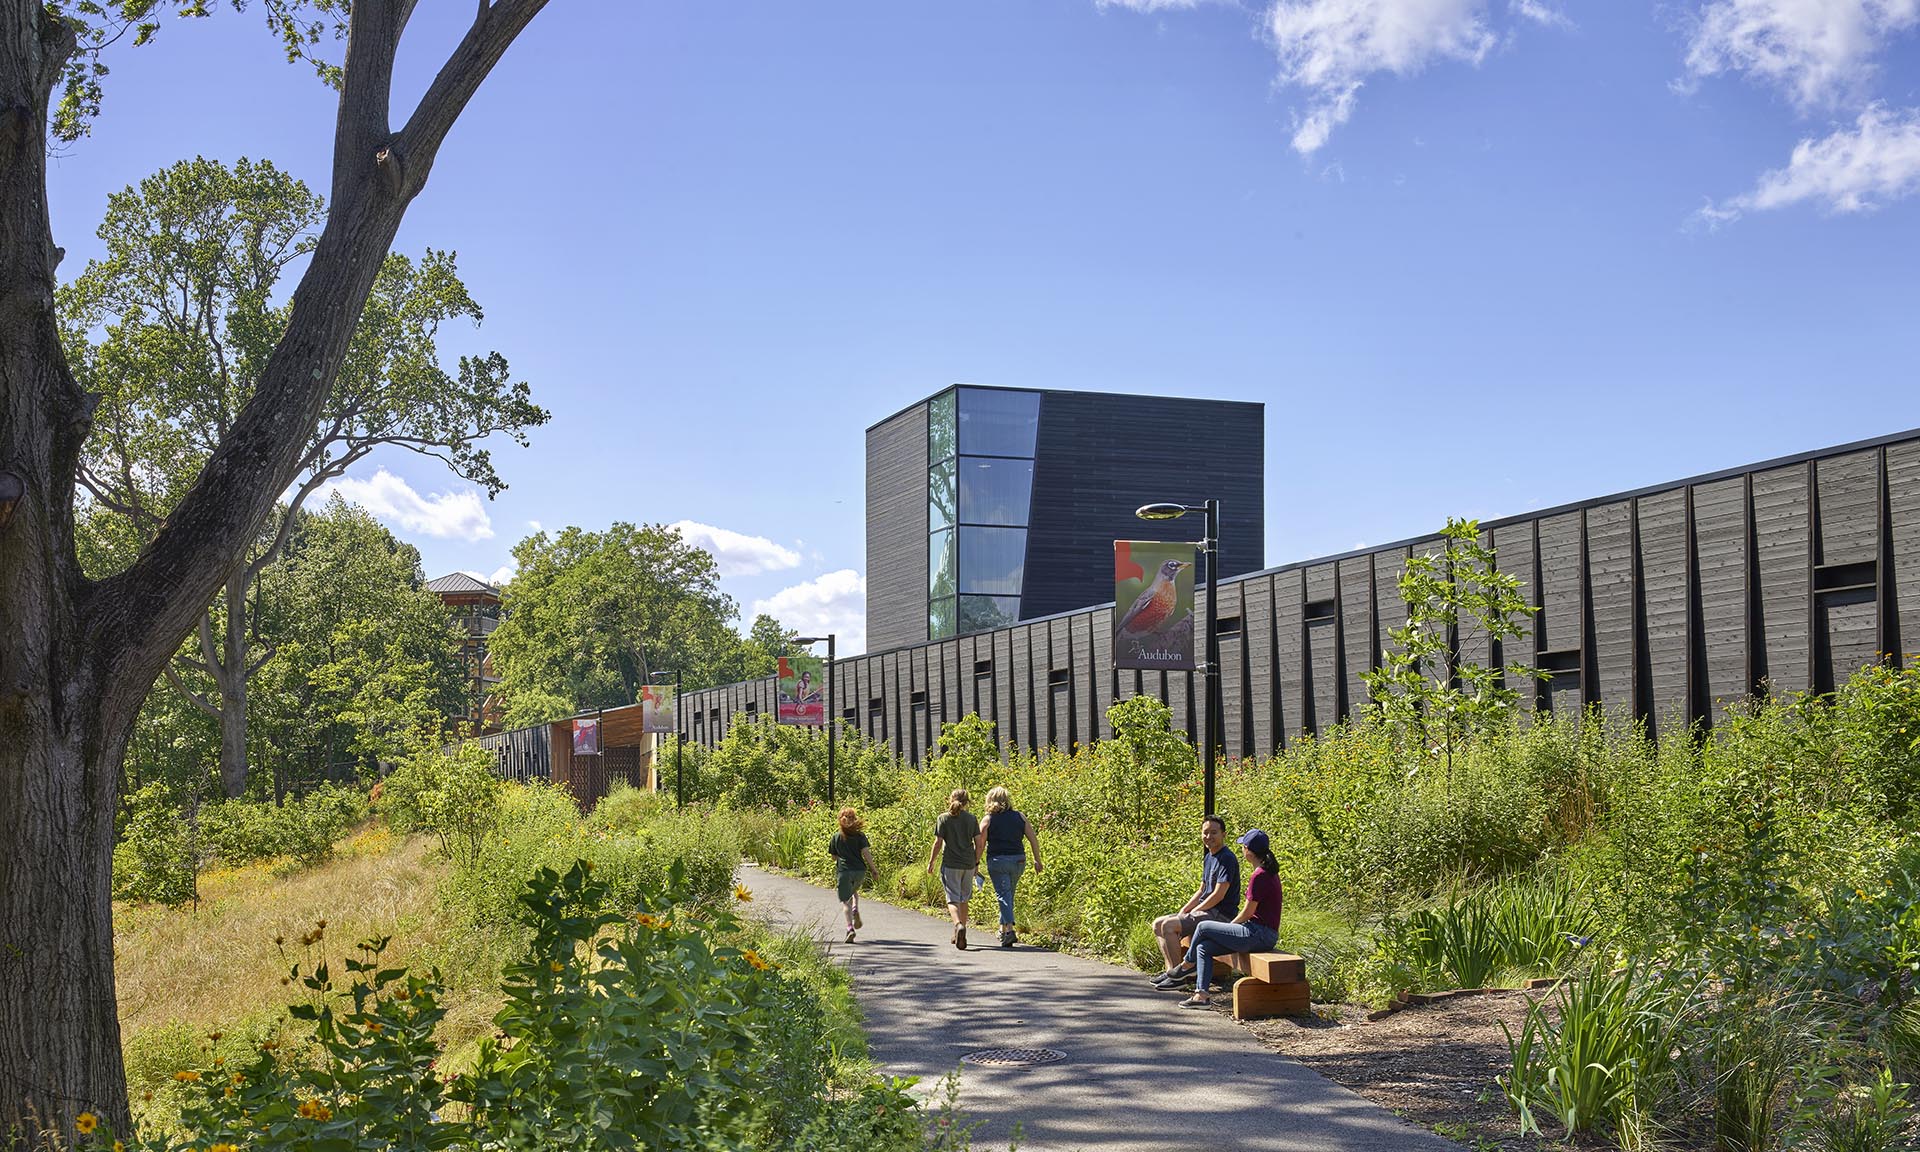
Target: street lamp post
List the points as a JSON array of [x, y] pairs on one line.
[[831, 716], [1215, 720], [679, 736]]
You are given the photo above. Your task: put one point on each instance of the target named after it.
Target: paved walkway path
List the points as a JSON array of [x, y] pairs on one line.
[[1140, 1072]]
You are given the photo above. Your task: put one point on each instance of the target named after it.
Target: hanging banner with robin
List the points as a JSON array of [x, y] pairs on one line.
[[801, 692], [656, 709], [586, 736], [1153, 606]]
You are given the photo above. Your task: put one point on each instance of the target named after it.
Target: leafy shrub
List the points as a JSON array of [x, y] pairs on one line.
[[1132, 887], [156, 859], [650, 1029], [301, 830], [452, 794]]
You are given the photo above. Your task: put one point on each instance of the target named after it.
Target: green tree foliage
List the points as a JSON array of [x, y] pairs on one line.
[[362, 661], [591, 614], [1425, 688], [365, 659], [452, 794], [1144, 759], [767, 641], [173, 328]]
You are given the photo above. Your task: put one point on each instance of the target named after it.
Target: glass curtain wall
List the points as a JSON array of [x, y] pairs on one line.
[[980, 445]]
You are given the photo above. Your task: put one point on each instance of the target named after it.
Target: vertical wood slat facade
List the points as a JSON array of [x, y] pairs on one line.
[[1671, 601]]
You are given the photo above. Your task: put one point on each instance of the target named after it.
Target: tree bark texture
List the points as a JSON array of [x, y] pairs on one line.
[[76, 656], [231, 675]]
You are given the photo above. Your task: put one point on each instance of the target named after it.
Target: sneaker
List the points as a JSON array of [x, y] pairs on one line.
[[1006, 939], [1172, 977], [849, 935], [960, 937], [1196, 1001]]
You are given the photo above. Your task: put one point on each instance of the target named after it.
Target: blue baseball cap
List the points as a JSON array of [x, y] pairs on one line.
[[1256, 840]]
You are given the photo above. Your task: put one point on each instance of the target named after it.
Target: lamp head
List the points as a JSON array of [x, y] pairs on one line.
[[1161, 511]]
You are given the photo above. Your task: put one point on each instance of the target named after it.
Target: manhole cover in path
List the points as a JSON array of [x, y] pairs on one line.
[[1012, 1057]]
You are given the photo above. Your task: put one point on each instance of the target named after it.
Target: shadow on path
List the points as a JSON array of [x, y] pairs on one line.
[[1140, 1072]]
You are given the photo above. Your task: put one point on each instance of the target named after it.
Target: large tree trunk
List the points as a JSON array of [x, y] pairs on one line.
[[78, 657], [232, 678], [61, 742]]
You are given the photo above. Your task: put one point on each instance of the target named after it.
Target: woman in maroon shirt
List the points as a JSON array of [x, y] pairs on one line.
[[1256, 929]]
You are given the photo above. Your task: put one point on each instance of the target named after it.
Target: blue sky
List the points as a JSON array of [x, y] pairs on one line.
[[1474, 257]]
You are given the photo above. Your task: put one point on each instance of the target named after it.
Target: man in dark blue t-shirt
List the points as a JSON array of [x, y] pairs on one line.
[[1217, 899]]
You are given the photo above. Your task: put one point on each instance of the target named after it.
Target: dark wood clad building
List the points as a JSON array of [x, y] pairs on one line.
[[986, 506], [1670, 601]]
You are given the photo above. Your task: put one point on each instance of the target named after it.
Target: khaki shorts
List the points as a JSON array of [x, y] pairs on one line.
[[959, 883], [1191, 920]]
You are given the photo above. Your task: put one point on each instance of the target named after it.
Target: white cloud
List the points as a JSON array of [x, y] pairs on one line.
[[503, 574], [1541, 13], [737, 554], [454, 515], [1816, 51], [834, 602], [1853, 170], [1331, 47], [533, 525]]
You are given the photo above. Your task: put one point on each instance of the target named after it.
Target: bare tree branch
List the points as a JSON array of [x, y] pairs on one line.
[[209, 651], [199, 701], [494, 28]]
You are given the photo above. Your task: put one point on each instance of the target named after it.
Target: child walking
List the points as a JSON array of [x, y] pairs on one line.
[[852, 861]]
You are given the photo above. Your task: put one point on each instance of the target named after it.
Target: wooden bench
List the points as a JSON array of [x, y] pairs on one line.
[[1271, 983]]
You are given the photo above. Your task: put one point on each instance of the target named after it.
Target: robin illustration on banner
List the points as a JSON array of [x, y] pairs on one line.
[[1153, 622]]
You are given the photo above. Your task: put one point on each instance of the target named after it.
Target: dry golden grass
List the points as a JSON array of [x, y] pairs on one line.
[[186, 972]]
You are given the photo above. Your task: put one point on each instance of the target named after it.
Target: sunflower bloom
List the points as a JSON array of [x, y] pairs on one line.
[[743, 893], [86, 1122], [186, 1077]]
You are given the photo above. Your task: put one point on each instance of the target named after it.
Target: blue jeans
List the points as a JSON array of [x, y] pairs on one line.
[[1213, 938], [1005, 871]]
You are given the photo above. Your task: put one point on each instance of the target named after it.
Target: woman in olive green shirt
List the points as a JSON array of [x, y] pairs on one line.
[[957, 844]]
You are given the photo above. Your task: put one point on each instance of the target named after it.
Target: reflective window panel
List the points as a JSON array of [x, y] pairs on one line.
[[998, 423], [992, 560], [983, 613], [940, 619], [940, 427], [940, 495], [995, 491], [940, 564]]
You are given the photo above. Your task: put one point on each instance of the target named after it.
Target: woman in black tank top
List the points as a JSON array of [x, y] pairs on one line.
[[1008, 833]]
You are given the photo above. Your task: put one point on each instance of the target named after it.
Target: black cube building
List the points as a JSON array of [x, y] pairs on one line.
[[986, 506]]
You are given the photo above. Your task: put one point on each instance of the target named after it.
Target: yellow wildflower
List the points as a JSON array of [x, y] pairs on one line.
[[186, 1077], [86, 1122], [314, 1110], [119, 1146], [556, 966], [224, 1147], [742, 893]]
